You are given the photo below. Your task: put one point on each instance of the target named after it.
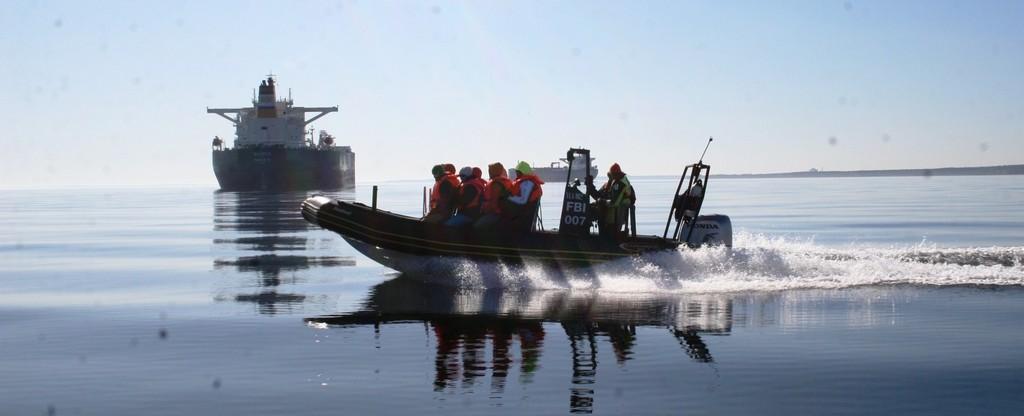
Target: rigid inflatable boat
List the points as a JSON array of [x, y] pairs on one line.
[[410, 245]]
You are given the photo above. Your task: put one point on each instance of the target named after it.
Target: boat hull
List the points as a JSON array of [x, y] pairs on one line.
[[409, 245], [280, 168]]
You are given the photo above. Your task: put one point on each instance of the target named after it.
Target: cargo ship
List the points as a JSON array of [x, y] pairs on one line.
[[275, 150], [559, 171]]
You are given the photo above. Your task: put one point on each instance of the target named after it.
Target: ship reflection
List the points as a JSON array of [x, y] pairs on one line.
[[268, 238], [465, 322]]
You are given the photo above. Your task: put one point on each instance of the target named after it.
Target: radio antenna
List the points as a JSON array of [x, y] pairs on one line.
[[705, 150]]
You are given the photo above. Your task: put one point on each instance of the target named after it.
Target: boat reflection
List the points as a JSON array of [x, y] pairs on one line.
[[463, 323], [266, 237]]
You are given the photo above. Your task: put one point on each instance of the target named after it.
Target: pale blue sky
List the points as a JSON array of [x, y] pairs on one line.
[[108, 93]]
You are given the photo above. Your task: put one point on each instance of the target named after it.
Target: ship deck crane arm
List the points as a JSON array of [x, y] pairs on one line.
[[223, 112], [322, 110]]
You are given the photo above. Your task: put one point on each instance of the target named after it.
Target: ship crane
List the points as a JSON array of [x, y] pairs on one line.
[[224, 112]]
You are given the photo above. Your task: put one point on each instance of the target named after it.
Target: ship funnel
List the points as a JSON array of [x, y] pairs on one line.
[[266, 106]]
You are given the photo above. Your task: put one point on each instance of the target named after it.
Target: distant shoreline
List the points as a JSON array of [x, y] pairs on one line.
[[964, 171]]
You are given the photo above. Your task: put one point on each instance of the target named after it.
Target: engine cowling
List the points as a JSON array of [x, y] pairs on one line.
[[708, 230]]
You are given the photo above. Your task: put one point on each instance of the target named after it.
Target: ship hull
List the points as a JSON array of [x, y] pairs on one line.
[[280, 168]]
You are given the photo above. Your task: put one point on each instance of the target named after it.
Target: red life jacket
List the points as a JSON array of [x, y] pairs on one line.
[[435, 195], [535, 193], [493, 193], [479, 185]]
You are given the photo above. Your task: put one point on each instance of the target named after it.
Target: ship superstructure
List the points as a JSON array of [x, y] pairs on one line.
[[274, 149]]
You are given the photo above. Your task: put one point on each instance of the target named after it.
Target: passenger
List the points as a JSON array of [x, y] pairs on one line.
[[471, 195], [443, 197], [525, 199], [496, 193], [613, 201], [449, 168]]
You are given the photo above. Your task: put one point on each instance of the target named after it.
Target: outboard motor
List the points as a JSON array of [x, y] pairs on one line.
[[707, 230]]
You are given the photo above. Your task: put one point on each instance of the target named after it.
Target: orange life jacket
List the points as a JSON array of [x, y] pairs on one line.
[[535, 193], [435, 195], [493, 193], [479, 185]]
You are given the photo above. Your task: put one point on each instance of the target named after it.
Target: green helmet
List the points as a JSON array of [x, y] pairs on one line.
[[524, 167]]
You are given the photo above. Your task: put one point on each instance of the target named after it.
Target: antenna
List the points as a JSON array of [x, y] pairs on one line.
[[701, 161]]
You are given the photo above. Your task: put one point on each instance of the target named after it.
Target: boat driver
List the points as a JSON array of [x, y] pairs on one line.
[[612, 201]]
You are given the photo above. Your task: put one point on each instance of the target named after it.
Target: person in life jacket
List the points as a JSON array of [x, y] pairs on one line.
[[471, 197], [612, 200], [496, 193], [449, 168], [443, 197], [525, 199]]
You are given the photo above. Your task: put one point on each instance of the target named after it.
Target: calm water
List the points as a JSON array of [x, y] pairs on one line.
[[841, 296]]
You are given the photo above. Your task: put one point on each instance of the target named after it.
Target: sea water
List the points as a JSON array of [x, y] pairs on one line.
[[840, 296]]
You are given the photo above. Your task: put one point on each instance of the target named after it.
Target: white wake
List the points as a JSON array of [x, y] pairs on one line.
[[760, 263]]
